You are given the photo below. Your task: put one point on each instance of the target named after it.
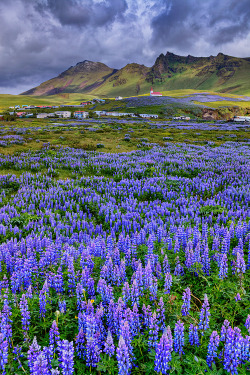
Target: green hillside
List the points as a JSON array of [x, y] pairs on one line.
[[221, 73]]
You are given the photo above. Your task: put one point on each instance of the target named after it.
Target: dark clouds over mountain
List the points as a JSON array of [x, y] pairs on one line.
[[41, 38]]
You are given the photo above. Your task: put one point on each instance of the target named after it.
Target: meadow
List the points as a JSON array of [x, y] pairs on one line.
[[124, 247]]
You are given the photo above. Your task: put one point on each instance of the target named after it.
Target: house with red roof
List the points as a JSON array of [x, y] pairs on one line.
[[153, 93]]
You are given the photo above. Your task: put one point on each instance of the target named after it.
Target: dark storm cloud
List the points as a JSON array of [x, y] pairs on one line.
[[41, 38], [181, 24], [84, 12]]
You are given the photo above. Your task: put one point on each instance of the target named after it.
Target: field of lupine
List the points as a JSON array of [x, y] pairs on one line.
[[136, 263]]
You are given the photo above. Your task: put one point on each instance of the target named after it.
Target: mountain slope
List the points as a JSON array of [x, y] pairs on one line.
[[83, 77], [219, 73]]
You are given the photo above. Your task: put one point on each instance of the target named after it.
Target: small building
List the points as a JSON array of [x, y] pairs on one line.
[[81, 114], [45, 115], [148, 115], [118, 98], [100, 113], [187, 118], [85, 103], [154, 93], [21, 114], [241, 118], [63, 114], [97, 100]]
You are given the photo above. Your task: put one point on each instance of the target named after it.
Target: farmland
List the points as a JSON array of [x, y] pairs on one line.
[[124, 247]]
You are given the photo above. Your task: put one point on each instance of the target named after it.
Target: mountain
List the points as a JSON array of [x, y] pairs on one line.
[[219, 73]]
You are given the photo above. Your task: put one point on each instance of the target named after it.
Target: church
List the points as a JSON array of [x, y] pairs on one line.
[[152, 93]]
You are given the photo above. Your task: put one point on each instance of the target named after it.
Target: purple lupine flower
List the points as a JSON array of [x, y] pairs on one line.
[[33, 353], [232, 350], [125, 333], [153, 287], [168, 283], [248, 256], [54, 336], [123, 358], [3, 353], [223, 267], [163, 353], [66, 357], [237, 297], [146, 314], [62, 306], [79, 295], [92, 352], [247, 324], [193, 335], [179, 337], [153, 331], [109, 347], [25, 315], [212, 348], [81, 344], [186, 302], [204, 316], [166, 266], [43, 299], [135, 293], [178, 271], [135, 324], [71, 277], [205, 260], [224, 330], [245, 349], [41, 366], [126, 292], [240, 264]]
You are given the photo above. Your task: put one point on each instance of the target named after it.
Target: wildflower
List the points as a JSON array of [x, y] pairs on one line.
[[179, 337], [168, 283], [223, 267], [153, 331], [41, 366], [54, 336], [186, 302], [163, 353], [232, 350], [66, 357], [204, 316], [123, 358], [247, 324], [3, 353], [237, 297], [212, 348], [193, 335], [25, 315], [109, 347]]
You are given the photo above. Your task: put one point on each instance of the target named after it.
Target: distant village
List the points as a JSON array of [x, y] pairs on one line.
[[23, 111]]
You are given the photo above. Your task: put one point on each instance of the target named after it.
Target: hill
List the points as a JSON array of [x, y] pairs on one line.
[[221, 73]]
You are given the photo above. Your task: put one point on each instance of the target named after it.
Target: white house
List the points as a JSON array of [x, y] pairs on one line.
[[153, 93], [181, 118], [43, 115], [64, 114], [81, 114], [242, 118], [148, 115], [100, 113]]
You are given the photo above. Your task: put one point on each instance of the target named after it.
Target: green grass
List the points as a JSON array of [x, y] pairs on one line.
[[113, 139]]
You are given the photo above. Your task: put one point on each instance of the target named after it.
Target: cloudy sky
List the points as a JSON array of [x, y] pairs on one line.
[[41, 38]]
